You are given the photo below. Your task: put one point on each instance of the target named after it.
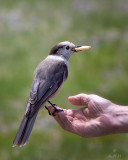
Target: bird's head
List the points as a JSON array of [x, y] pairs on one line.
[[66, 49]]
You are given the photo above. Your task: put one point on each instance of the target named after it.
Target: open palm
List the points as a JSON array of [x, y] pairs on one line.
[[94, 119]]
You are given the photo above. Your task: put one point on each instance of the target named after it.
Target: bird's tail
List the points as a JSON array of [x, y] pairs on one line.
[[24, 130]]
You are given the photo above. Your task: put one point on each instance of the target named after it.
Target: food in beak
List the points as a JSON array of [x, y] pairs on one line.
[[81, 48]]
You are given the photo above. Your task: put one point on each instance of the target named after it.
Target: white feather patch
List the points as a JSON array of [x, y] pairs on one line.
[[58, 58]]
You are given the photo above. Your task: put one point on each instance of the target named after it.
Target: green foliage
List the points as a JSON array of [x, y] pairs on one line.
[[28, 30]]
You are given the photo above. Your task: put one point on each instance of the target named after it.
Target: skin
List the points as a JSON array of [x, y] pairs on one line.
[[97, 117]]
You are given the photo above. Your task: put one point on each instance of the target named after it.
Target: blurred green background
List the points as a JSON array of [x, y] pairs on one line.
[[28, 30]]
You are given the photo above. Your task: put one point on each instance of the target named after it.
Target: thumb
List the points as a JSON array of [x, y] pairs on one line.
[[79, 100]]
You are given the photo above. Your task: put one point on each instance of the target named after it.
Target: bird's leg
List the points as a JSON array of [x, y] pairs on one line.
[[55, 109], [48, 110]]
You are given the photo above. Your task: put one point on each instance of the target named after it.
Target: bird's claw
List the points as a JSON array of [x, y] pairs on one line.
[[55, 109]]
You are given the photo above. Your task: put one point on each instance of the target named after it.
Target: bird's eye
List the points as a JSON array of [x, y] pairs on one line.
[[67, 47]]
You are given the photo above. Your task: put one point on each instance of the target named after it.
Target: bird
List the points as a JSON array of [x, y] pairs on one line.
[[50, 75]]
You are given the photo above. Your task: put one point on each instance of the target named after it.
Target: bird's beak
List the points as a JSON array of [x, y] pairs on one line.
[[81, 48]]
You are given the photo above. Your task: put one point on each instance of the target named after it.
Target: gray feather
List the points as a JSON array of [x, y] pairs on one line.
[[24, 130], [46, 84], [49, 77]]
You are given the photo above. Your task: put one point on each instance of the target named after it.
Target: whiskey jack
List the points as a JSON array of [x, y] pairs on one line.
[[49, 77]]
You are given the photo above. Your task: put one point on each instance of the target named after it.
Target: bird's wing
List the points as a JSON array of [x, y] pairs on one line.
[[45, 87]]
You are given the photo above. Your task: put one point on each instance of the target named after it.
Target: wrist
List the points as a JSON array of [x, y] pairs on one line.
[[119, 119]]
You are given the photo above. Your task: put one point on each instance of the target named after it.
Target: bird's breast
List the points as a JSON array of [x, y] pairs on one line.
[[51, 66]]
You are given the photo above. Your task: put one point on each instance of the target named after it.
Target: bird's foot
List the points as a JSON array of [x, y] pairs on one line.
[[55, 109]]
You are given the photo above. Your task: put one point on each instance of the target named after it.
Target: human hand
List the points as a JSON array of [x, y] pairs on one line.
[[99, 116]]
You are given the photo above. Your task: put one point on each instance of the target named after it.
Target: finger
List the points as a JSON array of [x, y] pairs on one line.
[[79, 100], [64, 118], [52, 109]]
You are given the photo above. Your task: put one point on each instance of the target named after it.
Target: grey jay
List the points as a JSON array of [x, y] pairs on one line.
[[49, 77]]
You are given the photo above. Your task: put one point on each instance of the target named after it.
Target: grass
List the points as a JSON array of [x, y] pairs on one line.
[[28, 30]]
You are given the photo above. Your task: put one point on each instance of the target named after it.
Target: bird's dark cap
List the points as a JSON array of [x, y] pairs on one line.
[[55, 49], [60, 45]]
